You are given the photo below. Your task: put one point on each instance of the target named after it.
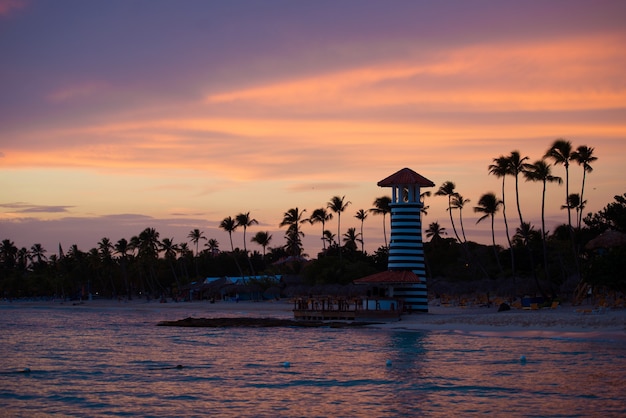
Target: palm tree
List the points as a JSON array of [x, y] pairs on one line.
[[457, 203], [169, 252], [423, 197], [574, 202], [435, 232], [122, 248], [195, 236], [361, 215], [243, 219], [381, 207], [561, 153], [517, 166], [321, 216], [229, 225], [338, 205], [262, 238], [488, 205], [329, 237], [105, 249], [500, 169], [447, 189], [213, 246], [8, 254], [292, 219], [584, 157], [37, 252], [542, 171], [350, 238]]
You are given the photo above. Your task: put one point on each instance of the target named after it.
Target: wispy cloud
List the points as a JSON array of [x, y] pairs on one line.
[[22, 207]]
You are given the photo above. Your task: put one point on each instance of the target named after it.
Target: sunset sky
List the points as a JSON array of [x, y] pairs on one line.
[[121, 115]]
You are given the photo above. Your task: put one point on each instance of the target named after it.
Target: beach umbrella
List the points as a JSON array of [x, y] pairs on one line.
[[607, 239]]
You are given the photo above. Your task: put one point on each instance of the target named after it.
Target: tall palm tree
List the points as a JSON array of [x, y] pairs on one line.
[[170, 250], [561, 153], [122, 248], [195, 236], [457, 203], [322, 216], [293, 219], [447, 189], [338, 205], [105, 249], [542, 171], [361, 215], [517, 166], [500, 169], [350, 238], [584, 157], [381, 207], [244, 220], [488, 205], [38, 253], [435, 232], [229, 225], [262, 238]]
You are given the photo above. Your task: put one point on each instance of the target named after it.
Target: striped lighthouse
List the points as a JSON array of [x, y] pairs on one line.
[[406, 252]]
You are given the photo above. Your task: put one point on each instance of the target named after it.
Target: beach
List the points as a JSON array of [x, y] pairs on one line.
[[562, 319]]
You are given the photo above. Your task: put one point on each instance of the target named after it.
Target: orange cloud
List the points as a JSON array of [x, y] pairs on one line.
[[564, 74]]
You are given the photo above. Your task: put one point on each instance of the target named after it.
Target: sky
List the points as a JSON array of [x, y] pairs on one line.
[[116, 116]]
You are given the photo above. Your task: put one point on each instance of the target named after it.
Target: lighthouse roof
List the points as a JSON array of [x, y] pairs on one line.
[[390, 277], [406, 176]]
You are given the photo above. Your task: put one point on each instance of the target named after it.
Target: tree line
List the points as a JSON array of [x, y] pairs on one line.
[[147, 264]]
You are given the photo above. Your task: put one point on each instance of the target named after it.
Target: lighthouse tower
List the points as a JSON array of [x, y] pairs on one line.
[[406, 252]]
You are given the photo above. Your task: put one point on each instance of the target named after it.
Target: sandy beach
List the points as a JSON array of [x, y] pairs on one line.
[[564, 319]]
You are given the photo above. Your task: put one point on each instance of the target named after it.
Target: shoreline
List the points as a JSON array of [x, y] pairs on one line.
[[565, 319]]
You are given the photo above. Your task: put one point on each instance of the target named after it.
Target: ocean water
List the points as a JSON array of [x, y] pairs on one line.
[[86, 362]]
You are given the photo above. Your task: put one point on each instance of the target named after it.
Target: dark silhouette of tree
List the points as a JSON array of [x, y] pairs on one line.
[[447, 189], [458, 202], [195, 236], [170, 251], [381, 207], [321, 216], [361, 215], [212, 246], [350, 239], [435, 232], [329, 237], [293, 219], [338, 205], [488, 205], [584, 157], [561, 152], [122, 248], [229, 225], [500, 169], [37, 254], [244, 220], [262, 238], [517, 166], [542, 171]]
